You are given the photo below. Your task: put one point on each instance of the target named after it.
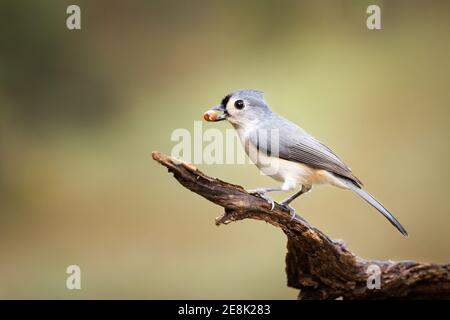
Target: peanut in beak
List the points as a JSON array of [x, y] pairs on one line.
[[211, 115]]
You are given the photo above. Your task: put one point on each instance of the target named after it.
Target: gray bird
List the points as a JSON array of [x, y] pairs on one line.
[[286, 152]]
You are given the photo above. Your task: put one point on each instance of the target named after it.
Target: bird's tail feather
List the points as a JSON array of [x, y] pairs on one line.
[[376, 204]]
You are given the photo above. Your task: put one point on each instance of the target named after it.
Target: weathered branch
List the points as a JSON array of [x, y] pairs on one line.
[[320, 267]]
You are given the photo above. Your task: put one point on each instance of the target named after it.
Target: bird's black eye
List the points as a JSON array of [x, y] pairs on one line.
[[239, 104]]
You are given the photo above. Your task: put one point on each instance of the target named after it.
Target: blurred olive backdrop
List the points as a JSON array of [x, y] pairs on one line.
[[81, 111]]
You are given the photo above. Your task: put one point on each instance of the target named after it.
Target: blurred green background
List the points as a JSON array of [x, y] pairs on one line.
[[81, 111]]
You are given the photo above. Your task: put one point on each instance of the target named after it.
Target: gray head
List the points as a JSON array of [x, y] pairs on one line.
[[243, 107]]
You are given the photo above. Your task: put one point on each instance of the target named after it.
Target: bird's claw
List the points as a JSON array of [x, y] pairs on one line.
[[264, 196], [269, 200], [290, 209]]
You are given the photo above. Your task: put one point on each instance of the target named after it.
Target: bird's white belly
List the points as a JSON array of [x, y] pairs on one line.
[[289, 172]]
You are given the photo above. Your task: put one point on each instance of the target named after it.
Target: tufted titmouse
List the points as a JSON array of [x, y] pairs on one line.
[[287, 153]]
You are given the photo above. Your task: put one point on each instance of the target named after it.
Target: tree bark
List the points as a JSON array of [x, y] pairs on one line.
[[316, 265]]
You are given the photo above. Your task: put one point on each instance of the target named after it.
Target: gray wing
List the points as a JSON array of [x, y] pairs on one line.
[[297, 145]]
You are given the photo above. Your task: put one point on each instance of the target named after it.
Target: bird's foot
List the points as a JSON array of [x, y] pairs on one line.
[[290, 209], [262, 194]]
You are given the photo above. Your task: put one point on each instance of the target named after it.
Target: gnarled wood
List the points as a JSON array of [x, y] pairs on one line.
[[320, 267]]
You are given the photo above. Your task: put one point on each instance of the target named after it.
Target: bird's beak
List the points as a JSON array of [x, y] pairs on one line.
[[217, 113]]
